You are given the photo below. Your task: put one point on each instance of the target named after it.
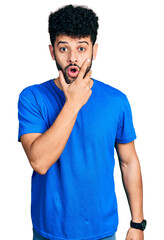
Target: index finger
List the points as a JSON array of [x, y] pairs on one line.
[[83, 70]]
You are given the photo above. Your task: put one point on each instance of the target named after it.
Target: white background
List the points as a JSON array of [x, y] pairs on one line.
[[130, 58]]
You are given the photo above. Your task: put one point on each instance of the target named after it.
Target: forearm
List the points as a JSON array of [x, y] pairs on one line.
[[47, 148], [132, 181]]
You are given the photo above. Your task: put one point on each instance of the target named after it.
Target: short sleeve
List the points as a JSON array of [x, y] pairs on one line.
[[29, 114], [125, 129]]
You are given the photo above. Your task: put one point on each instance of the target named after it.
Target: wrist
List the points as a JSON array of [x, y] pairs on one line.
[[137, 216], [138, 219], [139, 225], [74, 108]]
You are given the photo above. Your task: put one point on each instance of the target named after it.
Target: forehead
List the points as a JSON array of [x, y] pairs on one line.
[[72, 40]]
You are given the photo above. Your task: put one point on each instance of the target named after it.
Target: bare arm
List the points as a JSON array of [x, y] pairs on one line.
[[43, 150], [132, 181]]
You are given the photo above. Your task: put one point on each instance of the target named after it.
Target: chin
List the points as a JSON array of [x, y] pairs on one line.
[[69, 80]]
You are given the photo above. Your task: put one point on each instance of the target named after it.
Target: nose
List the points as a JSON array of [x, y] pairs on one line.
[[72, 57]]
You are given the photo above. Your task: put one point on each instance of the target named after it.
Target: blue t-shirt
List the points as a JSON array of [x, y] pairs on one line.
[[76, 198]]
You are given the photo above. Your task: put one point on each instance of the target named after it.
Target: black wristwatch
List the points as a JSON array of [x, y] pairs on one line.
[[141, 226]]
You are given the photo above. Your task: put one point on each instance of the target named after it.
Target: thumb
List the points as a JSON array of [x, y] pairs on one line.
[[62, 81]]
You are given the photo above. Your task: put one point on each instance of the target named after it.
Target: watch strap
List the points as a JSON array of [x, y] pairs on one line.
[[141, 226]]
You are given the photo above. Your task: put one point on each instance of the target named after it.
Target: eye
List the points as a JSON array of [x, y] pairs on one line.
[[81, 49], [63, 49]]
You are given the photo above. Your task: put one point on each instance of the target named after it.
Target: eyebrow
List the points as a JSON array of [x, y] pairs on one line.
[[68, 43], [62, 42], [84, 42]]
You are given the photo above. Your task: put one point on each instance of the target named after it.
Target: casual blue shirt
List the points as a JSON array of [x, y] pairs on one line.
[[76, 198]]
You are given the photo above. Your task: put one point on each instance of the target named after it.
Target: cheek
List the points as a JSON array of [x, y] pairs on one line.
[[58, 57], [60, 61], [86, 56], [89, 54]]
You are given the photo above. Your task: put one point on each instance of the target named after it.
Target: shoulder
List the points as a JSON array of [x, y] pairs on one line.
[[110, 92], [32, 91]]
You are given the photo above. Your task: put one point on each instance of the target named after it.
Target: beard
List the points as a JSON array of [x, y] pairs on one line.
[[68, 79]]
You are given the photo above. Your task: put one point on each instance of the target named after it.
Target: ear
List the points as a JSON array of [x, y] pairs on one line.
[[51, 51], [95, 48]]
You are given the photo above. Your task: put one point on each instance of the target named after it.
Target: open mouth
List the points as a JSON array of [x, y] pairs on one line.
[[73, 71]]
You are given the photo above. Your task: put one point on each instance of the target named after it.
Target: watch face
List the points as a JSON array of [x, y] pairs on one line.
[[144, 224]]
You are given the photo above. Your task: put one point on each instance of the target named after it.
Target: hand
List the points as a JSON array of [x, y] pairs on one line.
[[134, 234], [78, 92]]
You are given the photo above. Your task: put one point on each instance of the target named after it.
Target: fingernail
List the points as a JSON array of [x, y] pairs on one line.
[[88, 60]]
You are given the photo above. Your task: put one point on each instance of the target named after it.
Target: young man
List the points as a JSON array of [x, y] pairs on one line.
[[69, 127]]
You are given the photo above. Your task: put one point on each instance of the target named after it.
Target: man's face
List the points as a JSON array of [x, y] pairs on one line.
[[70, 53]]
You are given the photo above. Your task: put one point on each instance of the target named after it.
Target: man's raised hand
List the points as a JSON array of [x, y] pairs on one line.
[[78, 92]]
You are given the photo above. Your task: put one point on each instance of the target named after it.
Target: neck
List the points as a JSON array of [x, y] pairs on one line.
[[57, 82]]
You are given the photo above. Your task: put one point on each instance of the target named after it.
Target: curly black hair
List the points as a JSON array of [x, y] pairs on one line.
[[74, 21]]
